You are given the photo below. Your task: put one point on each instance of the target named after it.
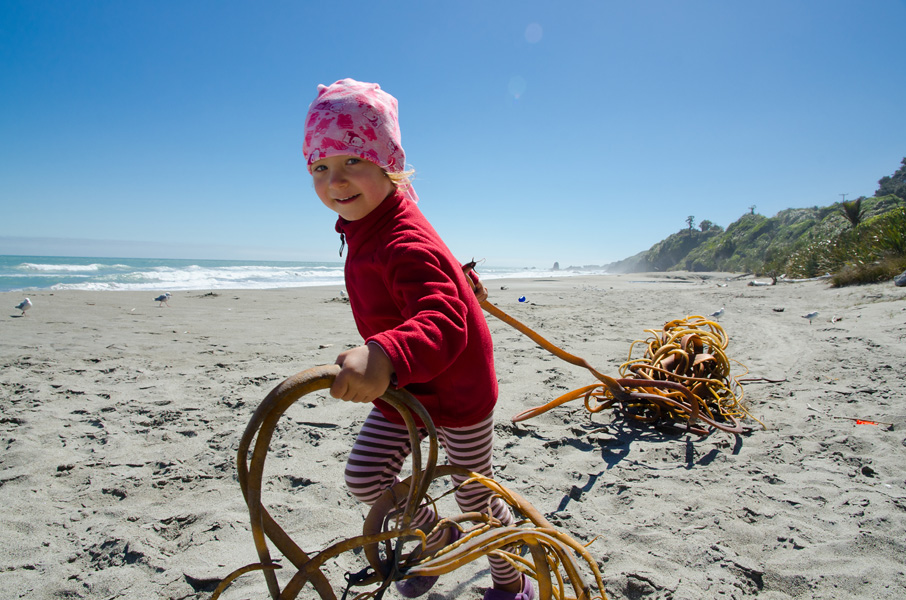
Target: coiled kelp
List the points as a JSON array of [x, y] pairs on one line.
[[552, 558], [690, 351], [683, 378]]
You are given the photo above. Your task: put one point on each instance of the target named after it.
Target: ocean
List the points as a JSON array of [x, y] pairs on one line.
[[24, 273]]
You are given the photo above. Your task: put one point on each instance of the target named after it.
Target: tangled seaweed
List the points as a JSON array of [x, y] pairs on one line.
[[553, 558], [683, 378], [690, 351]]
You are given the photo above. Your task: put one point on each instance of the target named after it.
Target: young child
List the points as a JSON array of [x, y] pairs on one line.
[[423, 327]]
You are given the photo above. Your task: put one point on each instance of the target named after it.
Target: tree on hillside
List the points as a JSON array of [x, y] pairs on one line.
[[852, 210], [690, 221], [895, 184], [707, 226]]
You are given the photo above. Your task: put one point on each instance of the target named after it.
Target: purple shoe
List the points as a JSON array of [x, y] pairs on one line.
[[420, 584], [415, 586], [527, 593]]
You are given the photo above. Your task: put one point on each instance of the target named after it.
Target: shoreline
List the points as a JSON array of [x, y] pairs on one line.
[[120, 421], [159, 275]]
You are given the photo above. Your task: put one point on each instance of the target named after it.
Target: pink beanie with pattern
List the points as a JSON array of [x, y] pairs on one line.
[[358, 119]]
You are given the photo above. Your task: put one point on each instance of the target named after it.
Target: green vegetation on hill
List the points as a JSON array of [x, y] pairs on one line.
[[859, 241]]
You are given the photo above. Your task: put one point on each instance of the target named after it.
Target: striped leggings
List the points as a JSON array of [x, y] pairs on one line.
[[381, 448]]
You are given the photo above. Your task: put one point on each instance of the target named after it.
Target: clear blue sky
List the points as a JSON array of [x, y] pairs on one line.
[[541, 131]]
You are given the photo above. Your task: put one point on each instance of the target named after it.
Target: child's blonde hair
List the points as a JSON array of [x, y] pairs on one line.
[[401, 179]]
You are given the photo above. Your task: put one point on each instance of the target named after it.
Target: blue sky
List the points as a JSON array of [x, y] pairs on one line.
[[577, 132]]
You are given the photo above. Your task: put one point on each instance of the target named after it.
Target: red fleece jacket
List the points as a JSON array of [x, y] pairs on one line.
[[409, 295]]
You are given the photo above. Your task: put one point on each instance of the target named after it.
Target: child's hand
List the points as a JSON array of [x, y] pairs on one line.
[[481, 292], [364, 374]]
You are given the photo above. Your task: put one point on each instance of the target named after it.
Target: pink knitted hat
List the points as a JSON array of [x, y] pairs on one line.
[[357, 119]]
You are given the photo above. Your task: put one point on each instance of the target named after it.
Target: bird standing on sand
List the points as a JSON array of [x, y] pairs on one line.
[[24, 306], [810, 316], [163, 299], [717, 313]]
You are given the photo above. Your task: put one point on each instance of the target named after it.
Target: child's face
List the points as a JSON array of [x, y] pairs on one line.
[[350, 186]]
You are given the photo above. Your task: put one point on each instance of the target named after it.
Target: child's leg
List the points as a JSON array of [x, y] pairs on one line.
[[472, 447], [376, 460]]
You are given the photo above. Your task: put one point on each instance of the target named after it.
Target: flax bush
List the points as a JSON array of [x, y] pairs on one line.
[[871, 252]]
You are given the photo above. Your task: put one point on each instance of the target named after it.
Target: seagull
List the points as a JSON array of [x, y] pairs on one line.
[[24, 306], [717, 313], [163, 299], [810, 316]]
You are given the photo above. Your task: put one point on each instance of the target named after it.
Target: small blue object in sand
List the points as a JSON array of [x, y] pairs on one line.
[[522, 298]]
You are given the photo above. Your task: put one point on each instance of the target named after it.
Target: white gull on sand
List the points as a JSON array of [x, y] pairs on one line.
[[810, 316], [717, 314], [24, 306], [163, 299]]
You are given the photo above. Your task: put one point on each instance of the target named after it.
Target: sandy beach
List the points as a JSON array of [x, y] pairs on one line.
[[121, 419]]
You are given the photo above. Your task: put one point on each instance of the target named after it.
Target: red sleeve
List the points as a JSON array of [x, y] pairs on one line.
[[427, 288]]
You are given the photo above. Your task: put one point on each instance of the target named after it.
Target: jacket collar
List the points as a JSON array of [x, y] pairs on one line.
[[354, 230]]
